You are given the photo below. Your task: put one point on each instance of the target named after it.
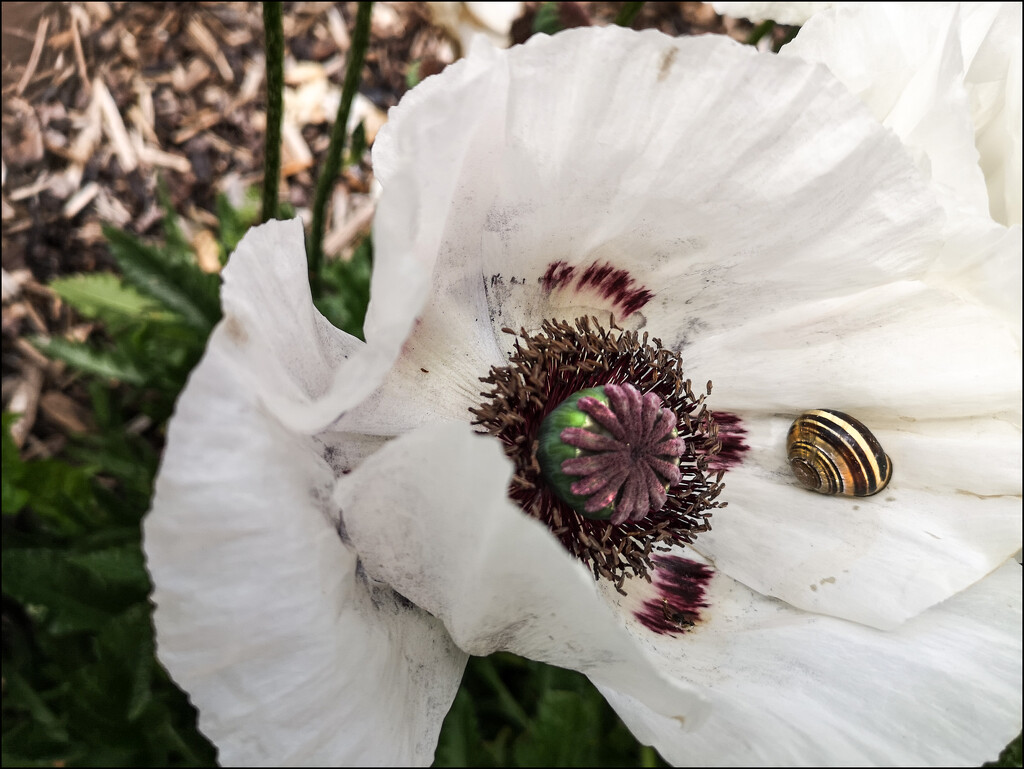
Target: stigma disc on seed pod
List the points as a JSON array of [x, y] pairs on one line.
[[610, 452]]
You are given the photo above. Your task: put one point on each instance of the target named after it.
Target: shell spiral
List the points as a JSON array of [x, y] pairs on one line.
[[833, 453]]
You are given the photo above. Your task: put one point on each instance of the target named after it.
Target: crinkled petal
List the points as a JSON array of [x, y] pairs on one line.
[[905, 62], [306, 371], [991, 41], [542, 224], [267, 308], [904, 349], [983, 263], [429, 516], [946, 78], [950, 515], [291, 655], [792, 688]]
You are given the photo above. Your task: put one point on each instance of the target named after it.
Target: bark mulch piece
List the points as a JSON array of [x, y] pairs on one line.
[[103, 102]]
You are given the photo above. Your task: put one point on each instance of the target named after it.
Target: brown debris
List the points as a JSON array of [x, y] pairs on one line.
[[33, 59], [103, 99]]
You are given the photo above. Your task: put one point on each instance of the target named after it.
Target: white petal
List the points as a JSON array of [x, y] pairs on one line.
[[828, 202], [781, 13], [497, 17], [950, 514], [982, 262], [290, 654], [991, 41], [306, 371], [902, 349], [429, 516], [946, 78], [791, 688], [294, 359]]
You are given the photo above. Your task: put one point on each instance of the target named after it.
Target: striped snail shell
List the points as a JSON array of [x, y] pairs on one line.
[[832, 453]]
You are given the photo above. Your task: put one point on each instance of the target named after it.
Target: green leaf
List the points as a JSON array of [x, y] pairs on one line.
[[460, 743], [347, 290], [19, 694], [106, 297], [412, 73], [126, 646], [178, 285], [566, 732], [15, 497], [547, 21], [235, 222], [110, 364], [115, 568], [357, 145], [52, 591], [57, 493], [1011, 755], [175, 245]]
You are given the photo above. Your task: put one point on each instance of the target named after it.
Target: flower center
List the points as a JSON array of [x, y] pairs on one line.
[[611, 447], [611, 453]]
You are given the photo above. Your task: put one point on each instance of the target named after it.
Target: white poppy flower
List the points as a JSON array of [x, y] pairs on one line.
[[782, 13], [946, 77], [331, 536]]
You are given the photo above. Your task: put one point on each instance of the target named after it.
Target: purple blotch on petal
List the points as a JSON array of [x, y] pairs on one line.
[[680, 595], [733, 436]]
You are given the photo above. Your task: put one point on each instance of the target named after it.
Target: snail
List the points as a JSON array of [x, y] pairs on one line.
[[832, 453]]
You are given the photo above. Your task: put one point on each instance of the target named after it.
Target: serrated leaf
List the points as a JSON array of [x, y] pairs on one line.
[[174, 239], [113, 364], [179, 286], [40, 577], [56, 492], [126, 644], [115, 568], [106, 297]]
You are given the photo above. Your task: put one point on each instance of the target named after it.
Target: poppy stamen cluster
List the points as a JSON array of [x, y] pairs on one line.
[[563, 358]]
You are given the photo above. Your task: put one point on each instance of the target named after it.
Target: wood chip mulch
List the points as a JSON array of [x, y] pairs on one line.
[[103, 102]]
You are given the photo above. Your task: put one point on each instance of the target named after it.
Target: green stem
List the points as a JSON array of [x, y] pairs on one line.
[[273, 30], [332, 163], [627, 13]]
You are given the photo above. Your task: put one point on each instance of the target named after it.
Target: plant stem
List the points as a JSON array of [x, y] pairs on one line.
[[332, 163], [273, 30], [627, 13]]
